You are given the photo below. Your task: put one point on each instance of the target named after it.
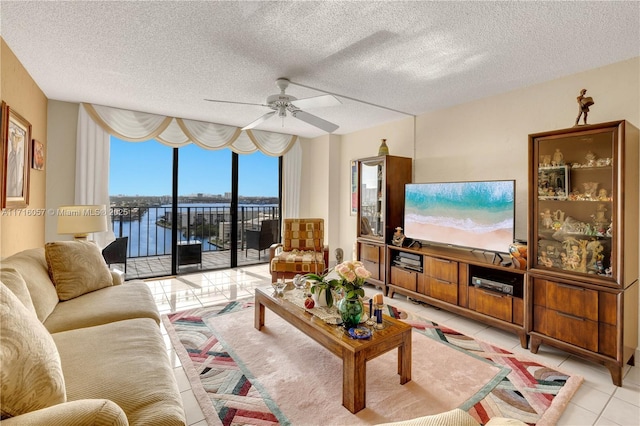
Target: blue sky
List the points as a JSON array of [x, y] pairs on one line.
[[144, 168]]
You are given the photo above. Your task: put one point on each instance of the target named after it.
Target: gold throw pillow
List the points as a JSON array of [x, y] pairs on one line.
[[76, 268]]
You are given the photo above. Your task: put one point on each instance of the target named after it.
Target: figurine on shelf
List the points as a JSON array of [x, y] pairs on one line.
[[558, 158], [603, 162], [545, 160], [602, 195], [596, 250], [584, 102], [590, 189], [547, 219], [398, 237], [599, 219], [558, 219], [591, 159], [544, 260]]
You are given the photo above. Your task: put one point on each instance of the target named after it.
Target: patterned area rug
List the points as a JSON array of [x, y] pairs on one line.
[[531, 392], [229, 394]]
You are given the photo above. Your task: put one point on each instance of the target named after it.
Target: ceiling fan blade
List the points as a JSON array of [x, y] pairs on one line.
[[316, 102], [315, 121], [232, 102], [259, 120]]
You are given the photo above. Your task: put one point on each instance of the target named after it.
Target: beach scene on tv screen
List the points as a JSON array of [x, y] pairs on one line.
[[467, 214]]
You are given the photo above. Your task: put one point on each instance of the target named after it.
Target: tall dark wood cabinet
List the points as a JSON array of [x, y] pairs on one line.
[[583, 242], [381, 183]]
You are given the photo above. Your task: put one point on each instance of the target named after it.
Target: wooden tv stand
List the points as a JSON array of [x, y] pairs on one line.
[[442, 277]]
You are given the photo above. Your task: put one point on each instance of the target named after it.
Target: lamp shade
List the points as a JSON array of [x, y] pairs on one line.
[[82, 220]]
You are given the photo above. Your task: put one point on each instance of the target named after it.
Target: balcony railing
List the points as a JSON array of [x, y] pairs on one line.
[[149, 228]]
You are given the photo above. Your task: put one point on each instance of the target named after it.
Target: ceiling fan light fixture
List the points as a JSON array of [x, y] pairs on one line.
[[281, 103]]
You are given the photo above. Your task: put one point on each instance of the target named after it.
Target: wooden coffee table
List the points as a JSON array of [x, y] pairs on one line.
[[354, 352]]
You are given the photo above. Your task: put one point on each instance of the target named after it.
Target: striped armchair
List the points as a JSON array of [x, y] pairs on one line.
[[302, 249]]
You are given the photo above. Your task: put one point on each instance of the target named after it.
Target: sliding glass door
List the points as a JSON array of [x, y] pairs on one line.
[[189, 209], [204, 207], [140, 187], [258, 206]]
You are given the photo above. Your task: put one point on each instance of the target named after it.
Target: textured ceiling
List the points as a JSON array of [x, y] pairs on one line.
[[413, 57]]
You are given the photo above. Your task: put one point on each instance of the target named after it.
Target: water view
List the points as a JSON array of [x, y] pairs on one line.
[[149, 228]]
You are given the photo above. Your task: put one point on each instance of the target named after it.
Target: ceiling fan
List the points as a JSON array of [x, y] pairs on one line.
[[281, 103]]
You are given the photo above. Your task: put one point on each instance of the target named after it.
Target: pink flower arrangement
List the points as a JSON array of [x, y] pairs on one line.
[[353, 275]]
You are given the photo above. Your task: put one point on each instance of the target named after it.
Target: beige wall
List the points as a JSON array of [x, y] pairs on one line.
[[483, 139], [24, 228], [488, 138], [365, 143], [61, 162]]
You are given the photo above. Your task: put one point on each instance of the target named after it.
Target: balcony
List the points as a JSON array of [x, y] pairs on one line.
[[149, 232]]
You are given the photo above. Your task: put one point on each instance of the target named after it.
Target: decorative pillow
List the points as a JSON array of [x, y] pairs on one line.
[[31, 373], [14, 281], [76, 268]]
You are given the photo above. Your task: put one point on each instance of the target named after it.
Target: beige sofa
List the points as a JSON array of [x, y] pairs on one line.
[[85, 351], [455, 417]]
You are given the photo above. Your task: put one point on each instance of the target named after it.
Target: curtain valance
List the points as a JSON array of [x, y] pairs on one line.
[[138, 126]]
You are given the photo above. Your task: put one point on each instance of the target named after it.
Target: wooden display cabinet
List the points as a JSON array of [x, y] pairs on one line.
[[381, 183], [449, 278], [583, 242]]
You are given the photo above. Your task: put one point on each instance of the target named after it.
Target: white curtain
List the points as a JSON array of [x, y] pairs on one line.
[[97, 122], [291, 174], [92, 170], [135, 126]]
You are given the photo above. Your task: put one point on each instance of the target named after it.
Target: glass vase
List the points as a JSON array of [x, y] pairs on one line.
[[350, 311]]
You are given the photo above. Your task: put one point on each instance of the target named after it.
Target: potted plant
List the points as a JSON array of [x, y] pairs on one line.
[[321, 286]]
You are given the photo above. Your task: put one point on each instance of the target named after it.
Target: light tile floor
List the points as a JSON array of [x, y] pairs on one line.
[[597, 402]]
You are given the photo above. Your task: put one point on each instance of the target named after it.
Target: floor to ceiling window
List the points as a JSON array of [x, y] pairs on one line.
[[258, 205], [221, 200]]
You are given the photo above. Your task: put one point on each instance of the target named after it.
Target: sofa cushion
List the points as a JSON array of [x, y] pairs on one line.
[[130, 300], [31, 374], [455, 417], [125, 362], [14, 281], [84, 412], [298, 262], [303, 234], [76, 268], [32, 266]]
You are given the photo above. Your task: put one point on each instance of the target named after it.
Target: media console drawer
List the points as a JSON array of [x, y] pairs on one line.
[[443, 290], [492, 303], [403, 278], [442, 269], [370, 252]]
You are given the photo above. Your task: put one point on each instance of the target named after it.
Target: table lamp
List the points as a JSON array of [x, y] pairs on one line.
[[80, 221]]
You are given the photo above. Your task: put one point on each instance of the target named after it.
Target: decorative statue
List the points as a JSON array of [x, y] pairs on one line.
[[547, 219], [398, 237], [558, 158], [584, 102], [591, 159], [339, 255]]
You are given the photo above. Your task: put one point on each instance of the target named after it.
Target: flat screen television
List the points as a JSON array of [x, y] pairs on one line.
[[477, 215]]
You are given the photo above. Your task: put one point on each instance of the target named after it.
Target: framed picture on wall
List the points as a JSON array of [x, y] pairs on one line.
[[37, 157], [354, 188], [16, 148]]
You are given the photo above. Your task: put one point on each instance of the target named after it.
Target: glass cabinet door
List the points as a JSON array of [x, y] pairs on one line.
[[575, 206], [371, 197]]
